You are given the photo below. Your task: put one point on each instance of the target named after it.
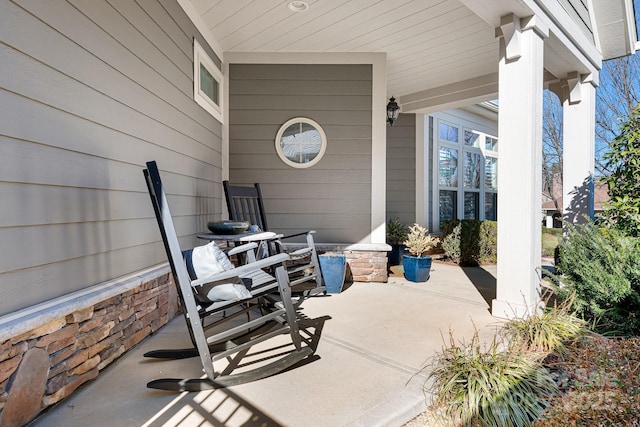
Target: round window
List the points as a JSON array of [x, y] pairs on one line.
[[301, 142]]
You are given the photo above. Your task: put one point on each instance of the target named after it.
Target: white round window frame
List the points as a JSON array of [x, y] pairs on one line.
[[323, 146]]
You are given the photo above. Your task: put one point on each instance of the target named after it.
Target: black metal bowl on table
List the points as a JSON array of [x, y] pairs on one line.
[[227, 227]]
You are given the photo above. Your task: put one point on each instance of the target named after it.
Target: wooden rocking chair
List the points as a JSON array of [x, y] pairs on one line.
[[215, 339], [245, 204]]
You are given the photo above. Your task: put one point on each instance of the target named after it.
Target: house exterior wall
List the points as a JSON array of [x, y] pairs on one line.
[[332, 197], [401, 169], [89, 92]]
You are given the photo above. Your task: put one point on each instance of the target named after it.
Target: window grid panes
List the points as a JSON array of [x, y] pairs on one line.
[[490, 173], [491, 206], [448, 205], [471, 205], [491, 144], [472, 170], [470, 190], [301, 142], [448, 169], [471, 138], [448, 133]]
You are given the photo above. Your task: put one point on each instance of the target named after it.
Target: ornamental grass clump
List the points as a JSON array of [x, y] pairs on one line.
[[545, 331], [419, 242], [490, 387]]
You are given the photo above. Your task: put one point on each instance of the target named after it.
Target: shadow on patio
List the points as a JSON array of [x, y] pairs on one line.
[[371, 341]]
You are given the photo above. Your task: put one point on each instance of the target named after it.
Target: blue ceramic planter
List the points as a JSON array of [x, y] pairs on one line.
[[396, 254], [416, 269], [333, 267]]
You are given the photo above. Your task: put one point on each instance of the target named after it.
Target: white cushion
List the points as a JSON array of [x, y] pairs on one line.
[[208, 260]]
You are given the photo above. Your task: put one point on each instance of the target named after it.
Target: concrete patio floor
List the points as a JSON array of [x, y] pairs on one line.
[[372, 339]]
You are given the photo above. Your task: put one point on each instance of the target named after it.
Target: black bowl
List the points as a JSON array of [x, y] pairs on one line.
[[227, 227]]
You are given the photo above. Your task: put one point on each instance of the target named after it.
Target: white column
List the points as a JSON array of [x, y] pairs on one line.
[[579, 112], [422, 171], [519, 166]]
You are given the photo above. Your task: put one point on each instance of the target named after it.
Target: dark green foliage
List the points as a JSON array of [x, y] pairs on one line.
[[396, 231], [470, 242], [623, 162], [602, 268]]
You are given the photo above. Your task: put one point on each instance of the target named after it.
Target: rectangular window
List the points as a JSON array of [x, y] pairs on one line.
[[208, 85], [448, 167], [471, 138], [207, 82], [448, 133], [491, 144], [448, 205], [472, 170], [471, 208], [491, 206], [490, 173]]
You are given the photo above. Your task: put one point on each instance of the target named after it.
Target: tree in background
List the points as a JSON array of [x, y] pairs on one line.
[[617, 95], [552, 146]]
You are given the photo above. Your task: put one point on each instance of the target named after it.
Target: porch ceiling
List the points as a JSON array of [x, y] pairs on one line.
[[429, 43]]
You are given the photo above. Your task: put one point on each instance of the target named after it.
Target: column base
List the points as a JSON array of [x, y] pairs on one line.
[[511, 310]]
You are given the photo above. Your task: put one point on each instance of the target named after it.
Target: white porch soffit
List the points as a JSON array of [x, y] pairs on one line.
[[431, 46], [428, 43], [616, 27]]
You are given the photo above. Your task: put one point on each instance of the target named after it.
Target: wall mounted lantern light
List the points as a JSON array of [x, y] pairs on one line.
[[393, 110]]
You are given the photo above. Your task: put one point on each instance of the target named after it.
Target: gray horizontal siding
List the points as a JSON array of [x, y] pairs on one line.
[[578, 10], [401, 169], [90, 91], [332, 197]]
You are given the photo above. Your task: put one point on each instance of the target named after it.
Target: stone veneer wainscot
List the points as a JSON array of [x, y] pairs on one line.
[[48, 351]]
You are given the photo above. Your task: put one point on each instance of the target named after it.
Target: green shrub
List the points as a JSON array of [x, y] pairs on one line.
[[601, 267], [470, 242], [489, 387], [451, 243]]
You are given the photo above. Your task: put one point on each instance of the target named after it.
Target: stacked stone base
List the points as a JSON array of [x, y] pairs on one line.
[[367, 266], [367, 262], [42, 366]]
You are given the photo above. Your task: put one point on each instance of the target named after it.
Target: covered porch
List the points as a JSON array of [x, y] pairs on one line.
[[92, 90]]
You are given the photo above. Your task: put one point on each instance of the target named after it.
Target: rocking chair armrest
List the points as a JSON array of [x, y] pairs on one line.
[[265, 235], [242, 248], [297, 234], [243, 269]]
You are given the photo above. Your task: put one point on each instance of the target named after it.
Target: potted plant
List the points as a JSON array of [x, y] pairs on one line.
[[396, 235], [417, 265]]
